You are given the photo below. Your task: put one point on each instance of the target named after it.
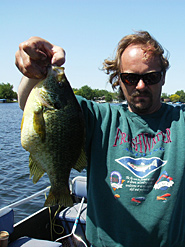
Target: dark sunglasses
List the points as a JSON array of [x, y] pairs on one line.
[[148, 78]]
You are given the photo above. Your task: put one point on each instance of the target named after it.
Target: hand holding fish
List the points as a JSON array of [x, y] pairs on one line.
[[34, 56], [32, 59]]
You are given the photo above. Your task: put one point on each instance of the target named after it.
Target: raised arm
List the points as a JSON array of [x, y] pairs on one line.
[[32, 59]]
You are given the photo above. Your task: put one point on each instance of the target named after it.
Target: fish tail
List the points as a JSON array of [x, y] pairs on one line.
[[61, 197]]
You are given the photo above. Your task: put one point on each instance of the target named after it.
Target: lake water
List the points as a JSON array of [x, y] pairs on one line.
[[15, 183]]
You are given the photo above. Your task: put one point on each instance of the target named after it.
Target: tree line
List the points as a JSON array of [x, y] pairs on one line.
[[6, 92], [96, 94], [179, 96]]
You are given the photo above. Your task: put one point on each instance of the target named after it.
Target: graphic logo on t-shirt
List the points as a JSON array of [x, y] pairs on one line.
[[163, 197], [116, 180], [164, 181], [138, 200], [141, 167]]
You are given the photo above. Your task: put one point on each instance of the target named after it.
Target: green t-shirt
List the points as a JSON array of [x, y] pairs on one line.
[[136, 183]]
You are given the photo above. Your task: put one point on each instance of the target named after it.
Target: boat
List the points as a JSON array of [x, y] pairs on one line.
[[3, 100], [53, 226]]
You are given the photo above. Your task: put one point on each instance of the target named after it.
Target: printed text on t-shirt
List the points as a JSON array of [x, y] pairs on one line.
[[143, 141]]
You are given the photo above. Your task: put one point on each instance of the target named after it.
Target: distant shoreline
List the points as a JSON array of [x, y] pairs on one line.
[[8, 101]]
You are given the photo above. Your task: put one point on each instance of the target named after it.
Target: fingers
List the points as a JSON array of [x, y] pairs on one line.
[[58, 56], [35, 55], [29, 67]]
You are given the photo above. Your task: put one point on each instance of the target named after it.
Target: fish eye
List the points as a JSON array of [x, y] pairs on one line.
[[61, 84], [57, 105]]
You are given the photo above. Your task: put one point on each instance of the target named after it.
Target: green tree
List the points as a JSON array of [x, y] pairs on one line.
[[96, 94], [181, 93], [108, 97], [85, 92], [6, 91], [174, 97], [164, 96]]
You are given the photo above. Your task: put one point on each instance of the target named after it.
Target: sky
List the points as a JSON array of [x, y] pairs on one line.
[[89, 32]]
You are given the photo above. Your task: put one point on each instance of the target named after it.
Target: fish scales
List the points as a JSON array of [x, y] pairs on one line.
[[53, 131]]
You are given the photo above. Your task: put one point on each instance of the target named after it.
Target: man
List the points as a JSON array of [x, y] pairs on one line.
[[135, 154]]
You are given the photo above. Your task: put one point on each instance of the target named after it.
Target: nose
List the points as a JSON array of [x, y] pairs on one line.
[[141, 85]]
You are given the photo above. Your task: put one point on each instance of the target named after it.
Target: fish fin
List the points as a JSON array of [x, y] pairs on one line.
[[36, 171], [39, 123], [81, 162], [59, 197]]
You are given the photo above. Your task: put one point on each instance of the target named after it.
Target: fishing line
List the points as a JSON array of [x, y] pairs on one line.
[[72, 240], [52, 221], [56, 225]]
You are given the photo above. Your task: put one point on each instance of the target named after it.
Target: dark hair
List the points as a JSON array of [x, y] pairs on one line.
[[112, 67]]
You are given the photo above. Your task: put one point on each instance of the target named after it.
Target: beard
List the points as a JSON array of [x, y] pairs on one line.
[[141, 105]]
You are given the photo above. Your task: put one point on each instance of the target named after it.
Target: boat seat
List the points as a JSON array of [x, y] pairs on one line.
[[68, 215], [7, 220], [79, 186], [6, 224]]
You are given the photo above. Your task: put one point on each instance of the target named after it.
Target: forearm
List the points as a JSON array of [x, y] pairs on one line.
[[24, 90]]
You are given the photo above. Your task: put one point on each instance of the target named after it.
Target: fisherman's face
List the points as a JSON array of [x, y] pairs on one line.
[[141, 98]]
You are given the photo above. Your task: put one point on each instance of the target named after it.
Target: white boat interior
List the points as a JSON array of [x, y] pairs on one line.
[[47, 226]]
